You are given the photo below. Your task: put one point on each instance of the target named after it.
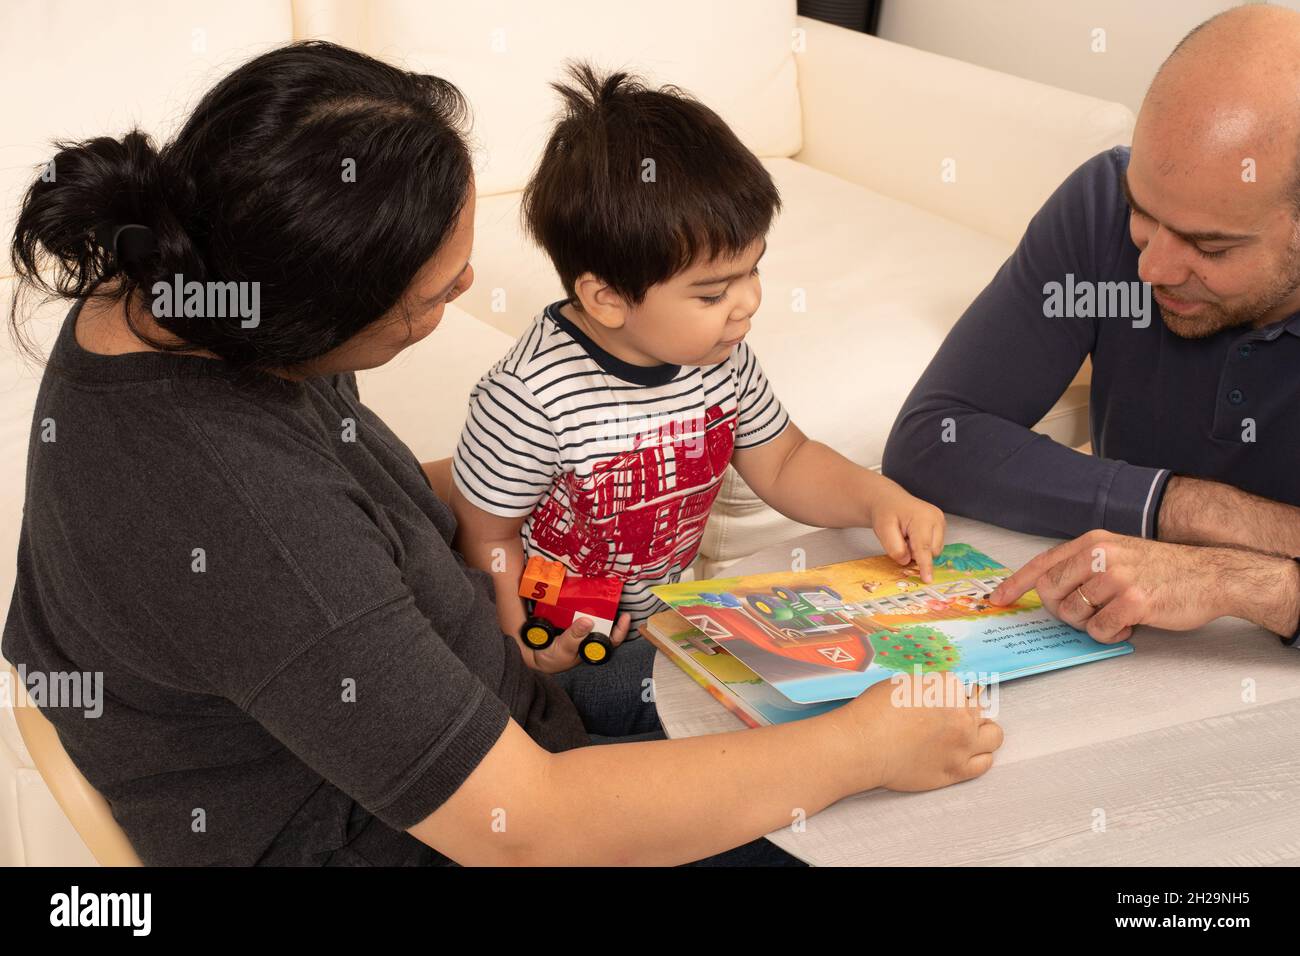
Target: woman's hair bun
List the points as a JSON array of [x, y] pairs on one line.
[[82, 198]]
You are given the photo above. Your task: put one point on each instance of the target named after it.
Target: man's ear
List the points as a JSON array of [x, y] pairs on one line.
[[599, 301]]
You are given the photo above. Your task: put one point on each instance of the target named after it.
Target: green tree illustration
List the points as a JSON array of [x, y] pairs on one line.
[[915, 646], [962, 557]]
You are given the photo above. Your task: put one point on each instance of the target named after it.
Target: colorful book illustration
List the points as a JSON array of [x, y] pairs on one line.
[[732, 683], [826, 634]]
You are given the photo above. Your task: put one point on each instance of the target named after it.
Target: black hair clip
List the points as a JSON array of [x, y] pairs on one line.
[[129, 243]]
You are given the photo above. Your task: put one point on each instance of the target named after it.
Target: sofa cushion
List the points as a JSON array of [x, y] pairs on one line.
[[423, 393], [859, 290]]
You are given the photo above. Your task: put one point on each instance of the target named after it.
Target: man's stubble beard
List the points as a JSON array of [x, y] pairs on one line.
[[1215, 318]]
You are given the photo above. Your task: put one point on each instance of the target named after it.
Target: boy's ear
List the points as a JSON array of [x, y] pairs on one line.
[[600, 301]]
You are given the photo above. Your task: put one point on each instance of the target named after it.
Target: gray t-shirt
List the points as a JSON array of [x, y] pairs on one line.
[[296, 665]]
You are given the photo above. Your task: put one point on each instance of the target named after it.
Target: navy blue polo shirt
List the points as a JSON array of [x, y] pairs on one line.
[[1225, 407]]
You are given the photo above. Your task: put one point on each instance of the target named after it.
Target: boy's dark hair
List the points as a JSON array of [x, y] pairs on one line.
[[593, 206], [252, 189]]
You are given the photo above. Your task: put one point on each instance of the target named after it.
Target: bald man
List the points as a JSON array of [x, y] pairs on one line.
[[1194, 486]]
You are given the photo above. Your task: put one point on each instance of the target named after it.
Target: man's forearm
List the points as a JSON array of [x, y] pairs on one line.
[[1262, 589], [980, 465], [1195, 511]]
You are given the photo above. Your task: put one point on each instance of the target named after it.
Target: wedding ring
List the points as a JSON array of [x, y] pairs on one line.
[[1083, 597]]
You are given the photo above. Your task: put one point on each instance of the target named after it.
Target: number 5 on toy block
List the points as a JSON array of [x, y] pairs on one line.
[[541, 581]]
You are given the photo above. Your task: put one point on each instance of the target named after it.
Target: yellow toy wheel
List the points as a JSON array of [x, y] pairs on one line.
[[595, 649], [538, 633]]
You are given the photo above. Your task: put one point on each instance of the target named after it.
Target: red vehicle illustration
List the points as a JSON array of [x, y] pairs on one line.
[[557, 598], [812, 625]]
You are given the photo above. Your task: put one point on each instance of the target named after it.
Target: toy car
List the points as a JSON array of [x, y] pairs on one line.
[[557, 598]]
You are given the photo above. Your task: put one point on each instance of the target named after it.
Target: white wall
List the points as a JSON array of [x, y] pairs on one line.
[[1051, 40]]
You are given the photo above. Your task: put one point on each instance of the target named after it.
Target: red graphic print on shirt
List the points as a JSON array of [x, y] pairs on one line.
[[643, 509]]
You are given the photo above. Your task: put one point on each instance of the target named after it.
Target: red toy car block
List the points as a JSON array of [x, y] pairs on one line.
[[593, 598]]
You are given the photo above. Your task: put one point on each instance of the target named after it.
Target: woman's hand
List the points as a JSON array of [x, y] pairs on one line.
[[910, 530], [924, 731], [563, 651]]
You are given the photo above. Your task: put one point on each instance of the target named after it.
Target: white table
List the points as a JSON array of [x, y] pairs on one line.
[[1186, 752]]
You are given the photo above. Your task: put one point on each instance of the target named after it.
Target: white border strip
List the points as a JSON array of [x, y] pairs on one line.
[[1146, 508]]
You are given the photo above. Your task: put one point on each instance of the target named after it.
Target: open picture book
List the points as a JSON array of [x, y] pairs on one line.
[[789, 644]]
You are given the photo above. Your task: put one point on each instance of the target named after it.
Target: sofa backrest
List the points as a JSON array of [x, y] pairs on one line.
[[735, 55], [72, 69]]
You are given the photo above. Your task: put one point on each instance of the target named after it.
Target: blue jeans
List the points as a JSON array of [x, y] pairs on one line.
[[614, 699], [616, 707]]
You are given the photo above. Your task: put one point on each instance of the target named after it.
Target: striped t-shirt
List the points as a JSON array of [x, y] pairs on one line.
[[614, 465]]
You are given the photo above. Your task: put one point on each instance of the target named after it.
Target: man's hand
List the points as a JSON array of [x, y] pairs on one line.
[[1107, 584], [562, 654], [909, 529]]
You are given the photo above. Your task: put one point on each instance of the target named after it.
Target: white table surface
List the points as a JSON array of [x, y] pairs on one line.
[[1185, 752]]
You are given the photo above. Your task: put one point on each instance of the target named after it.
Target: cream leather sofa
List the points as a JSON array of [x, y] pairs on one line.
[[907, 178]]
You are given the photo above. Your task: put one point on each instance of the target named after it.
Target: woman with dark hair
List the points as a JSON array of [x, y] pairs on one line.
[[297, 667]]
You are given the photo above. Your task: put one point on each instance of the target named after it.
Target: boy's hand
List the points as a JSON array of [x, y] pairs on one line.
[[563, 652], [909, 529]]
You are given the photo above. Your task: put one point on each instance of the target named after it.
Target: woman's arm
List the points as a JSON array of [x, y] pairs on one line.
[[673, 801]]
